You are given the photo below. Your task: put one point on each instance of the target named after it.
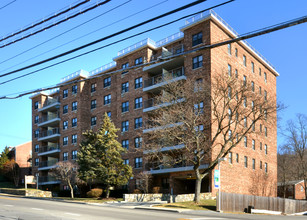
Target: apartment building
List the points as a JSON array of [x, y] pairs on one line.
[[127, 95]]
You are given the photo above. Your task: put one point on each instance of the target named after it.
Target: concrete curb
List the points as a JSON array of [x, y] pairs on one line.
[[162, 209]]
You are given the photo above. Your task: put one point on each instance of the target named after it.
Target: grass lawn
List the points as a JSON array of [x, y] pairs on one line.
[[90, 200], [208, 204]]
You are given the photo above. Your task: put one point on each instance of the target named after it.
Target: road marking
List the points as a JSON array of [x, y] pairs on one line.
[[68, 213], [8, 198], [37, 209]]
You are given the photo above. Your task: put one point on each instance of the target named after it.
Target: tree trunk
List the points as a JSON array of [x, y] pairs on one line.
[[197, 190], [107, 191], [71, 190]]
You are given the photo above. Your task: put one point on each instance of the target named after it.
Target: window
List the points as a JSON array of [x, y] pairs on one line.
[[93, 104], [236, 52], [265, 131], [229, 70], [197, 38], [229, 49], [93, 87], [138, 103], [138, 162], [74, 89], [74, 122], [74, 154], [229, 92], [107, 99], [65, 93], [125, 106], [237, 158], [244, 80], [137, 142], [260, 127], [65, 156], [125, 126], [229, 134], [197, 61], [259, 71], [138, 61], [109, 114], [74, 106], [138, 83], [230, 157], [253, 125], [36, 104], [245, 102], [199, 128], [74, 139], [253, 67], [165, 183], [125, 66], [125, 144], [245, 141], [36, 133], [93, 120], [236, 73], [65, 125], [245, 122], [265, 77], [265, 95], [260, 146], [36, 162], [65, 109], [199, 108], [138, 122], [253, 86], [244, 60], [260, 90], [65, 140], [266, 167], [253, 144], [254, 164], [36, 119], [245, 162], [266, 149], [125, 87], [107, 82], [260, 165], [36, 148]]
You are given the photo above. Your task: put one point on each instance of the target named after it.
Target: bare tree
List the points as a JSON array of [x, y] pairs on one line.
[[12, 171], [145, 179], [204, 119], [262, 184], [67, 171], [296, 137]]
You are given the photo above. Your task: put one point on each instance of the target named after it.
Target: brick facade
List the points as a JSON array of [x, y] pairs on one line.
[[235, 177]]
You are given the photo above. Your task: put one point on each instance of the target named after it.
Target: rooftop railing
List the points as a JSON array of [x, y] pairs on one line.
[[133, 47], [169, 39], [103, 68]]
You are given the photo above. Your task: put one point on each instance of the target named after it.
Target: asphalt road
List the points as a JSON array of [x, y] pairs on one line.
[[37, 209]]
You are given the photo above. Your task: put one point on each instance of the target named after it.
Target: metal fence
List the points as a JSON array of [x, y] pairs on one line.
[[231, 202]]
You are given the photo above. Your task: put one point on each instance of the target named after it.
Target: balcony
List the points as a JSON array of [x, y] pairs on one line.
[[48, 180], [49, 164], [49, 135], [49, 149], [154, 83], [165, 149], [153, 104], [49, 120], [173, 169], [51, 104], [152, 128]]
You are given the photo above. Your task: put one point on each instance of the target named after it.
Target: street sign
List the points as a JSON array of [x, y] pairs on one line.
[[216, 179]]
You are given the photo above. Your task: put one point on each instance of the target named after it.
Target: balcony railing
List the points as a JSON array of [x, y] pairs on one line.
[[154, 103], [48, 163], [50, 101], [167, 75], [45, 179], [50, 132], [49, 117], [179, 167], [48, 148]]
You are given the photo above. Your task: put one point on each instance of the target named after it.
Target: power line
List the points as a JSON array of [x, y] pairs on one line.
[[251, 34], [65, 32], [8, 4], [56, 14], [55, 24], [99, 48], [105, 38]]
